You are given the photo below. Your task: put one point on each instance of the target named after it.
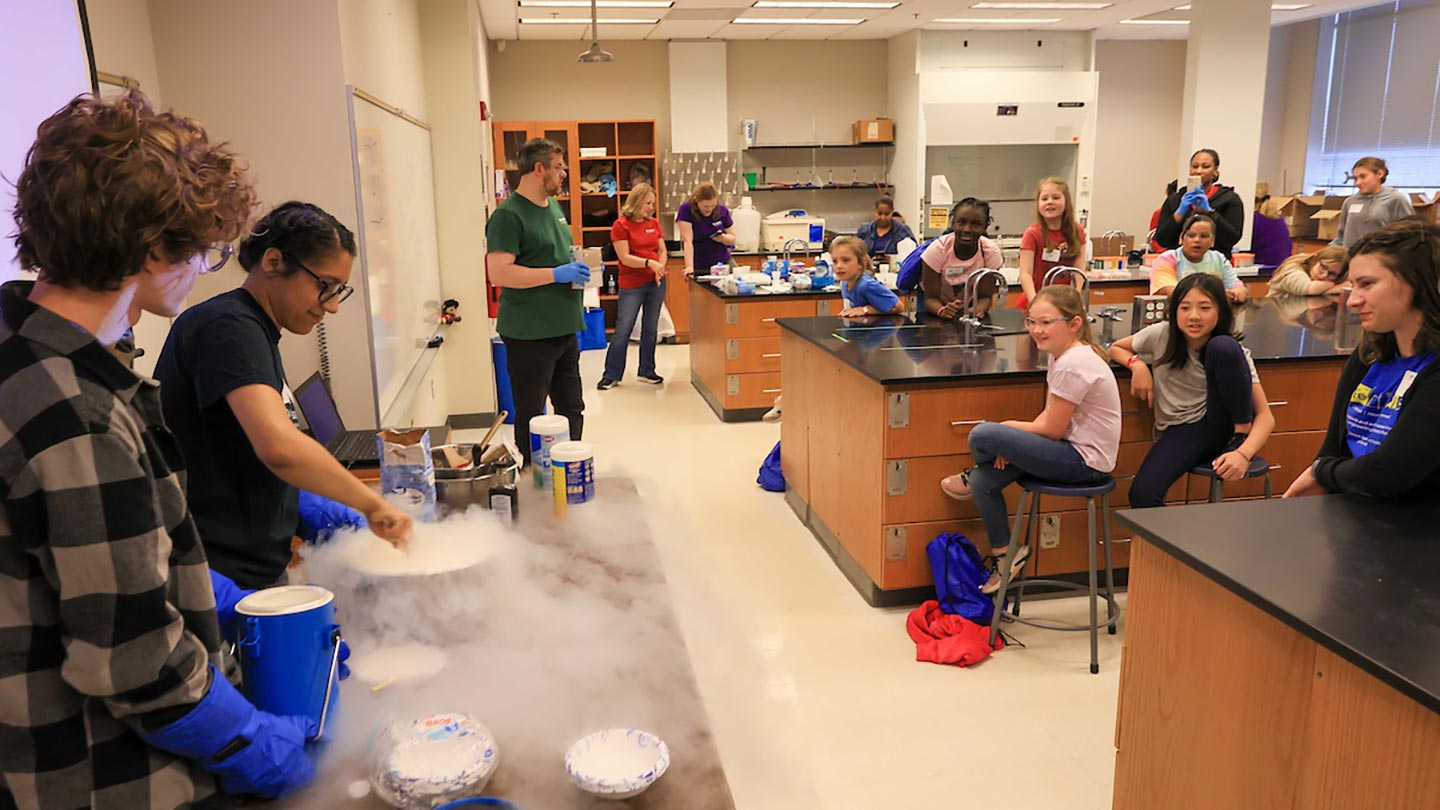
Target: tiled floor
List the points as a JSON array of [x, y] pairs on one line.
[[816, 698]]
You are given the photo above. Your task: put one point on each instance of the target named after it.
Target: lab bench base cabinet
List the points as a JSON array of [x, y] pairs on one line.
[[863, 462], [1223, 705]]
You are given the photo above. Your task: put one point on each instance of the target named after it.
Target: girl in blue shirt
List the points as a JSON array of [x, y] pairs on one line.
[[884, 233], [1384, 435], [863, 293]]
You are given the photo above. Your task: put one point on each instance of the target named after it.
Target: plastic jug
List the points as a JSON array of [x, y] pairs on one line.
[[747, 226]]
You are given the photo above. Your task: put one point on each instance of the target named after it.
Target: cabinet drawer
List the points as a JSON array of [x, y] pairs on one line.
[[938, 421], [756, 317], [745, 355], [750, 390], [1300, 394]]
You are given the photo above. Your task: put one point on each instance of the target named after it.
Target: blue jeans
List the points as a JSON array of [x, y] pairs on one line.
[[1025, 454], [650, 297]]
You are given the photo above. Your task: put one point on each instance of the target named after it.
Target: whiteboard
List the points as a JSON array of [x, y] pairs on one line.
[[40, 34], [399, 249]]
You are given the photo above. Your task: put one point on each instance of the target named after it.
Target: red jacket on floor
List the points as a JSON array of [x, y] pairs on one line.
[[944, 638]]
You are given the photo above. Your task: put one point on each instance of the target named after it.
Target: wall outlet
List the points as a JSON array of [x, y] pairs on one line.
[[1049, 532]]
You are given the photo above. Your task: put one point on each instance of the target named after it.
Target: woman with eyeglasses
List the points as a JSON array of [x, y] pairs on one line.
[[226, 399]]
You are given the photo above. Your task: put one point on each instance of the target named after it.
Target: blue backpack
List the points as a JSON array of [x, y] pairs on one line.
[[770, 478], [908, 276], [959, 572]]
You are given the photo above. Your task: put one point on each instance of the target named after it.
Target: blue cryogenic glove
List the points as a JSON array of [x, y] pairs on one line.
[[572, 273], [227, 596], [248, 751], [320, 517]]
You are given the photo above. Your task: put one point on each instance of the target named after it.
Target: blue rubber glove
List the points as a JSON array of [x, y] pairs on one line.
[[249, 751], [572, 273], [320, 517], [227, 596], [1186, 202], [1201, 201]]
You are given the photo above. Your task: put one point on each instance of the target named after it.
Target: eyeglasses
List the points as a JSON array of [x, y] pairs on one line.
[[216, 256], [328, 289], [1043, 323]]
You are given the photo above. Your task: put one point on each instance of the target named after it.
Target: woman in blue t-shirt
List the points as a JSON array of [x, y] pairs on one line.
[[1384, 434], [883, 234]]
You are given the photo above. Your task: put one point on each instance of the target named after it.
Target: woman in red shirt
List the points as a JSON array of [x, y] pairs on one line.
[[640, 246]]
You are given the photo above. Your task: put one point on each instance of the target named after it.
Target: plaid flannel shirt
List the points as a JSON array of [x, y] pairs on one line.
[[107, 618]]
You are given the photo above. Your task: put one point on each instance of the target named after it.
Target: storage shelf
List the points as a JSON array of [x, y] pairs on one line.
[[836, 187], [620, 157], [816, 145]]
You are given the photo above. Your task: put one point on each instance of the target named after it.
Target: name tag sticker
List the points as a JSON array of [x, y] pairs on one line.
[[1405, 383], [1356, 209], [1051, 255]]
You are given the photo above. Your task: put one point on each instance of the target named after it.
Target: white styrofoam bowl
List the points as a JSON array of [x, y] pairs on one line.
[[617, 763]]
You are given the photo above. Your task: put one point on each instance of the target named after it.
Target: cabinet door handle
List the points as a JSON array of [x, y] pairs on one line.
[[1274, 467], [1279, 403], [777, 354], [1118, 540], [769, 390], [768, 320], [968, 422]]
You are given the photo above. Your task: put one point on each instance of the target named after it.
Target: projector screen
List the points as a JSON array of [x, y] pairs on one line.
[[44, 62]]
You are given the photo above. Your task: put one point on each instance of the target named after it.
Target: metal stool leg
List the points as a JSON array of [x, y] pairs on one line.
[[1109, 567], [999, 609], [1094, 597], [1032, 533], [1217, 490], [1267, 485]]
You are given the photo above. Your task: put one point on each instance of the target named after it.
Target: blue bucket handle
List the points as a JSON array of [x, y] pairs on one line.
[[335, 639], [251, 642]]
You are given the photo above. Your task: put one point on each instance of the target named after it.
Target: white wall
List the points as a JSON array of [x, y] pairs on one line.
[[381, 45], [903, 105], [450, 30], [1137, 131], [283, 108], [1289, 92], [701, 116]]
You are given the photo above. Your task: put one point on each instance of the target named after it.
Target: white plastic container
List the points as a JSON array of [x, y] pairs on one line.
[[545, 431], [747, 226], [573, 466], [782, 226]]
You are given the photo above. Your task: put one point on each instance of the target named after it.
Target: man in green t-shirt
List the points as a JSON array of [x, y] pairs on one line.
[[540, 296]]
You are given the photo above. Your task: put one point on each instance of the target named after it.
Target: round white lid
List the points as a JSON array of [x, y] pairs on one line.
[[549, 423], [571, 451], [284, 600]]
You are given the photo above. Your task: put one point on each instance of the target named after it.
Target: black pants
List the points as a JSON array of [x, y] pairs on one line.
[[1180, 448], [549, 367]]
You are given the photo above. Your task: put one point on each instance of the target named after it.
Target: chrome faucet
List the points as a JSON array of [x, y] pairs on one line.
[[971, 299], [1072, 273], [785, 248]]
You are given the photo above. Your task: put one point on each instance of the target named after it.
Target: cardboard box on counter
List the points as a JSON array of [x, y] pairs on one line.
[[1327, 219], [1112, 245], [1426, 207], [873, 130], [1297, 211]]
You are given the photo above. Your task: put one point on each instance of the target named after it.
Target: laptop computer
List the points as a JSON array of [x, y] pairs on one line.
[[349, 447]]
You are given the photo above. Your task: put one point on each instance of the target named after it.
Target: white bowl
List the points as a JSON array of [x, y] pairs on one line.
[[432, 760], [617, 763]]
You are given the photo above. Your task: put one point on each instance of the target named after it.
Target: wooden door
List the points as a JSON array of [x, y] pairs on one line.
[[565, 133]]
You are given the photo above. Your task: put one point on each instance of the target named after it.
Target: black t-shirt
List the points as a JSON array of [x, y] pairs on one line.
[[246, 514]]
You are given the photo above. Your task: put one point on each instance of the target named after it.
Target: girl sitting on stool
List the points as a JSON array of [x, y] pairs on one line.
[[1204, 389], [1073, 441]]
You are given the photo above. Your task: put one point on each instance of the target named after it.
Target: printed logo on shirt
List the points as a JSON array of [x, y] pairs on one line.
[[1361, 395]]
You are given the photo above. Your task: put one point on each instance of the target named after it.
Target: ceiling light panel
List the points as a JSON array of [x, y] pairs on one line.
[[998, 20], [1044, 6], [798, 20], [584, 21], [600, 3], [820, 4]]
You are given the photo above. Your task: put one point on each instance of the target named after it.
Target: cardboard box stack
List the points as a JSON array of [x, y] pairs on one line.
[[1327, 219], [1297, 211]]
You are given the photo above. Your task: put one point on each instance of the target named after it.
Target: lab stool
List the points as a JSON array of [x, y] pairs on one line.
[[1258, 467], [1027, 530]]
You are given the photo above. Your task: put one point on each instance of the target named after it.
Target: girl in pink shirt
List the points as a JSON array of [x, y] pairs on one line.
[[948, 262], [1073, 441]]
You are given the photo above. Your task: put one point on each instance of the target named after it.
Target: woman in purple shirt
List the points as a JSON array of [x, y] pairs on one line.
[[1270, 235], [706, 229]]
